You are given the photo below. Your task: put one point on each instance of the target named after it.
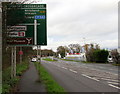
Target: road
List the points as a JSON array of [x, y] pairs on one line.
[[80, 77]]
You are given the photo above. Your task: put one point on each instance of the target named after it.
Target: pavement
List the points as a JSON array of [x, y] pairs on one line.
[[28, 82]]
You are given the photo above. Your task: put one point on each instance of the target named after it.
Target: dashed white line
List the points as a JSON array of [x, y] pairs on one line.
[[64, 68], [114, 86], [90, 77], [109, 79], [73, 71], [113, 83]]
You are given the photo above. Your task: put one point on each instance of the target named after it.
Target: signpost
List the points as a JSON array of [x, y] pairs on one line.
[[29, 22], [26, 26]]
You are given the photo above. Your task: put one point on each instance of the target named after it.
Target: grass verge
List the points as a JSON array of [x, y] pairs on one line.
[[9, 84], [49, 59], [83, 61], [51, 85], [116, 64]]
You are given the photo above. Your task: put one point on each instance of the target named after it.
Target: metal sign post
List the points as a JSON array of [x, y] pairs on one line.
[[12, 61], [20, 55], [14, 67], [35, 32], [37, 53], [40, 54]]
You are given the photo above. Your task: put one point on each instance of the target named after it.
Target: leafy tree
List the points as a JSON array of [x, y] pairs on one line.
[[61, 51]]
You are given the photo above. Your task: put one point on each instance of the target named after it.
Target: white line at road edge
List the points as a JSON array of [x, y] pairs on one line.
[[73, 71], [90, 77], [113, 86]]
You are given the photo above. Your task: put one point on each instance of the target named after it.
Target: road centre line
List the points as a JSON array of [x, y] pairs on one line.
[[113, 86], [113, 83], [72, 71], [90, 77]]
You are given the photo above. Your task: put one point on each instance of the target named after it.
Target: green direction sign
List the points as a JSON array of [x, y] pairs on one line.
[[21, 24]]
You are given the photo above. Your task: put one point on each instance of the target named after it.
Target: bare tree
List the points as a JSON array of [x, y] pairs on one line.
[[75, 48]]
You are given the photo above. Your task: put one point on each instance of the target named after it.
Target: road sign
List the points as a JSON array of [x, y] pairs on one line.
[[20, 52], [40, 17], [20, 41], [16, 28], [16, 34], [23, 16]]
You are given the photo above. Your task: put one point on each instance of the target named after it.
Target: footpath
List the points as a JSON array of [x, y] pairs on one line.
[[29, 81]]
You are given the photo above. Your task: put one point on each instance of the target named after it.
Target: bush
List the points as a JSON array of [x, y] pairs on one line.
[[100, 56]]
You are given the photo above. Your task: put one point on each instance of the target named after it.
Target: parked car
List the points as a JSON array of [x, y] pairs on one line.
[[34, 60]]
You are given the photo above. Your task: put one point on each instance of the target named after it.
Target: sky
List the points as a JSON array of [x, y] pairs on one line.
[[82, 21]]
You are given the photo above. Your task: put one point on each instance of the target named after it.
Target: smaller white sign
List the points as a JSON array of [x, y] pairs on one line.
[[16, 34], [16, 28]]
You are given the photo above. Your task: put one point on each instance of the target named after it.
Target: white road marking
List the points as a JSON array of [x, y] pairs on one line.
[[73, 71], [90, 77], [114, 86], [113, 83], [64, 68], [109, 79]]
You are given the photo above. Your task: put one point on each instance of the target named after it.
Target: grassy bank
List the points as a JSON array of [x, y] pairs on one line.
[[9, 84], [51, 85]]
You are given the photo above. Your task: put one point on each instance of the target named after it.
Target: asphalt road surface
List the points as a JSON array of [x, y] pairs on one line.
[[79, 77]]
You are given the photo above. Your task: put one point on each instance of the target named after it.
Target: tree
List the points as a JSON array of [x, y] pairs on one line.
[[75, 48], [89, 50], [100, 55], [115, 56], [61, 51]]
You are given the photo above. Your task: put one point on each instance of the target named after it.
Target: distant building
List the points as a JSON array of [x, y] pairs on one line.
[[76, 56]]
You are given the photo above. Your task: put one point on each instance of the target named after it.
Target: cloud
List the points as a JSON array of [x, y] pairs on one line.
[[69, 21]]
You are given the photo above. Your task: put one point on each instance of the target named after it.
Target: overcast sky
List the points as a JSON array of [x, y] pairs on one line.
[[79, 21]]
